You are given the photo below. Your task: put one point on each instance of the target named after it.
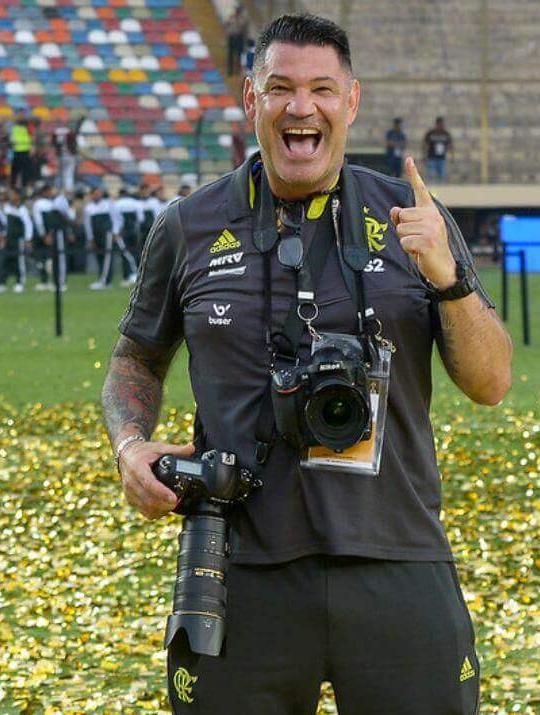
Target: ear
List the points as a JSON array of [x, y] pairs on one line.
[[354, 101], [249, 98]]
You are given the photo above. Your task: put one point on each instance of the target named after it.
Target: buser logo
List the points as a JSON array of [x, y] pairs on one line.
[[226, 241], [220, 311]]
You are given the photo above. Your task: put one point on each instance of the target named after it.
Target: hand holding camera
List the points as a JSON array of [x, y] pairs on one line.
[[143, 491]]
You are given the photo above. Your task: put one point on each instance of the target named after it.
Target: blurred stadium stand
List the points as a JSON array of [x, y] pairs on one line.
[[137, 69]]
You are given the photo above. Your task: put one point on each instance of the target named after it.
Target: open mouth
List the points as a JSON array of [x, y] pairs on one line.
[[301, 142]]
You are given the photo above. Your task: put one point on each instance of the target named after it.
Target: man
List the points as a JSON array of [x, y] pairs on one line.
[[52, 216], [150, 209], [437, 145], [236, 27], [21, 146], [65, 141], [43, 240], [132, 216], [396, 142], [102, 226], [18, 235], [334, 576], [184, 190], [40, 140]]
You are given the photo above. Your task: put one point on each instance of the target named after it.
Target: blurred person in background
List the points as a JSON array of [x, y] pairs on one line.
[[43, 240], [4, 152], [65, 141], [236, 28], [18, 239], [247, 57], [3, 228], [238, 145], [132, 217], [41, 146], [21, 147], [396, 143], [185, 190], [437, 146], [53, 219], [102, 225], [144, 196], [152, 201]]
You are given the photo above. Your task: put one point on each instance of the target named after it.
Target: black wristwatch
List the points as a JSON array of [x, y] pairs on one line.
[[465, 284]]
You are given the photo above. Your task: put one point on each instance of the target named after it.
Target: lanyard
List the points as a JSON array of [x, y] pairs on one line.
[[283, 345]]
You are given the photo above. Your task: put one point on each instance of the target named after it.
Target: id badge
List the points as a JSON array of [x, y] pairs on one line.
[[364, 457]]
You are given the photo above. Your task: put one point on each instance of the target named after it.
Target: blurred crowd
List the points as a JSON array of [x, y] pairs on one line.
[[49, 232], [29, 153]]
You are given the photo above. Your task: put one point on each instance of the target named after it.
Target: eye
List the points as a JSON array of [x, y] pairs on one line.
[[323, 90], [278, 89]]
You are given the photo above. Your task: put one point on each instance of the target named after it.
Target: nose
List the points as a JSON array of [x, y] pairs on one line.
[[301, 105]]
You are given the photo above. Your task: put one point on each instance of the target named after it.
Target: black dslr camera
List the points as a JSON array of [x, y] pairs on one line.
[[206, 487], [326, 402]]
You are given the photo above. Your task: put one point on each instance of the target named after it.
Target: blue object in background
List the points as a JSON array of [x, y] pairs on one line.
[[521, 233]]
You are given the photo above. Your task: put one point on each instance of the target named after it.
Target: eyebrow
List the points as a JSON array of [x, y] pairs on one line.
[[283, 77]]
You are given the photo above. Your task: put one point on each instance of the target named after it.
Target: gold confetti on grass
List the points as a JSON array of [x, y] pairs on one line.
[[86, 582]]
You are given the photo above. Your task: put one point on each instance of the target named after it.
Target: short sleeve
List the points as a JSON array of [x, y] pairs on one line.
[[154, 316], [461, 251]]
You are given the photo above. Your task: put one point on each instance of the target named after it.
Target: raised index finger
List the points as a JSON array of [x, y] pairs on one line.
[[421, 193]]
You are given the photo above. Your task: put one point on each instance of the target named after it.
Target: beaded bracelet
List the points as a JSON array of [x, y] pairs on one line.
[[123, 444]]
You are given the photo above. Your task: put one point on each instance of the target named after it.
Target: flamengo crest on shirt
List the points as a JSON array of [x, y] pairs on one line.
[[226, 241], [183, 683], [467, 671], [375, 231]]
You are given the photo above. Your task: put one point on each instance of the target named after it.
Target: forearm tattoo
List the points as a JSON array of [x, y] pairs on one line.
[[132, 391]]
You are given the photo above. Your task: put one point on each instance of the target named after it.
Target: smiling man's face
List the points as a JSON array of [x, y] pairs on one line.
[[302, 102]]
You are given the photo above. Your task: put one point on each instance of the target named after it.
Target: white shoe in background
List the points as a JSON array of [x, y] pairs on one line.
[[18, 288], [129, 281], [3, 289], [97, 285]]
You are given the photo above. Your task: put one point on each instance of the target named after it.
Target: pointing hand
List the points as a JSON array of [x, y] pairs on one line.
[[422, 233]]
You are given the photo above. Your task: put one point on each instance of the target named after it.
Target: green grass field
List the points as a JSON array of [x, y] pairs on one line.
[[86, 582]]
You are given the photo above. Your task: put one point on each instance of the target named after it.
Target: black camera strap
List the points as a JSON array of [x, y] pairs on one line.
[[283, 345]]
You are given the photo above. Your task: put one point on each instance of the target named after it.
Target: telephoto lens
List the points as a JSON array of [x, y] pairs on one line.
[[206, 488], [200, 593]]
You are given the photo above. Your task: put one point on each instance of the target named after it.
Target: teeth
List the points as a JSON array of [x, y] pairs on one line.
[[301, 131]]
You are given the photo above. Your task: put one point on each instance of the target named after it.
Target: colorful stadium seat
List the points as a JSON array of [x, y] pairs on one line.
[[137, 70]]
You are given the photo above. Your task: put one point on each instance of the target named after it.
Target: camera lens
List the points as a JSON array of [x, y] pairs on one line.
[[200, 593], [338, 413]]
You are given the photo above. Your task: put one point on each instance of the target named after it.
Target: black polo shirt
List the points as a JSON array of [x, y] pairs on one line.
[[202, 282]]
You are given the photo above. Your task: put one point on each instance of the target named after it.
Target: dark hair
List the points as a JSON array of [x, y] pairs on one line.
[[303, 30]]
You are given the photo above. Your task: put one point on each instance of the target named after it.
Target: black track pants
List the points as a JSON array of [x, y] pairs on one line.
[[394, 638]]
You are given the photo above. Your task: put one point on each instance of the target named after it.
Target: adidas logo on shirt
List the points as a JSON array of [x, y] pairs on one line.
[[225, 242], [467, 671]]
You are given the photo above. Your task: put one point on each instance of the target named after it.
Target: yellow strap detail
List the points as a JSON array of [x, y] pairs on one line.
[[251, 191]]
